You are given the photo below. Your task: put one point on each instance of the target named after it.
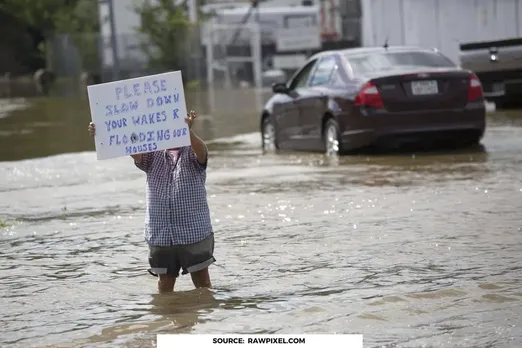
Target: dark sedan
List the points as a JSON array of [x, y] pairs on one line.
[[347, 100]]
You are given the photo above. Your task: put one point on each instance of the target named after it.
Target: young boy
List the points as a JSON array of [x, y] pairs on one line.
[[178, 228]]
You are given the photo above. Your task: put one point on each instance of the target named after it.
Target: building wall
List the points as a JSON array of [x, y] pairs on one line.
[[442, 24]]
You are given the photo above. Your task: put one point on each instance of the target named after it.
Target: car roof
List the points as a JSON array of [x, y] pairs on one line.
[[366, 50]]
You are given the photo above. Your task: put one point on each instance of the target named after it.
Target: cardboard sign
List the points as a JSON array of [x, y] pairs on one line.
[[139, 115]]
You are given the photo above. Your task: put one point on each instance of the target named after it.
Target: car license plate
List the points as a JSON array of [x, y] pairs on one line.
[[424, 87], [498, 87]]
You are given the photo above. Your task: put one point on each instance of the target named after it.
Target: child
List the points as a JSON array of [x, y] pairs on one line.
[[178, 229]]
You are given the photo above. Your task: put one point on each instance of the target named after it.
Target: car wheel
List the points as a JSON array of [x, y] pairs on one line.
[[269, 135], [331, 138]]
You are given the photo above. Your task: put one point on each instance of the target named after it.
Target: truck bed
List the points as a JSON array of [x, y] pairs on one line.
[[498, 65]]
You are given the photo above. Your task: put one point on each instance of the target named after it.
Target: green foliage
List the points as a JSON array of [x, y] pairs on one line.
[[79, 18], [3, 224], [83, 26], [38, 14], [192, 85], [168, 32], [54, 16]]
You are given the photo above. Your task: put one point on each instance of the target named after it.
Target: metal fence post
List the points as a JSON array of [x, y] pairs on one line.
[[114, 42], [256, 52]]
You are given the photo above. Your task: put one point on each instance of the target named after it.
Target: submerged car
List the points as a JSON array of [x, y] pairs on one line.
[[346, 100]]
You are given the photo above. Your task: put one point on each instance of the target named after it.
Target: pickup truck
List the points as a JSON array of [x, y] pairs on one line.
[[498, 65]]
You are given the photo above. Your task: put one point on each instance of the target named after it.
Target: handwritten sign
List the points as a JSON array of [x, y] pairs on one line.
[[139, 115]]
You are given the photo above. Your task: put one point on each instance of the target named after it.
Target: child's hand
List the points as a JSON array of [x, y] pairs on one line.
[[190, 118], [91, 129]]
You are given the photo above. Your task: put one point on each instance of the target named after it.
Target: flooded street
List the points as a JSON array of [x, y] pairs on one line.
[[420, 250]]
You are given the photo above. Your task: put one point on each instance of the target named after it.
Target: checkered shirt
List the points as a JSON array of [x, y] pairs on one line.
[[177, 210]]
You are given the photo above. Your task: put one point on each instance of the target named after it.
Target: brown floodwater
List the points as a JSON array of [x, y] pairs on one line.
[[411, 250]]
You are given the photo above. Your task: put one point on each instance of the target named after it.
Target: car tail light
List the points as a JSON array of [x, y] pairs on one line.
[[475, 89], [369, 96]]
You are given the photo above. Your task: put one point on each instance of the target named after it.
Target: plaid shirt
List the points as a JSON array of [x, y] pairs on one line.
[[177, 210]]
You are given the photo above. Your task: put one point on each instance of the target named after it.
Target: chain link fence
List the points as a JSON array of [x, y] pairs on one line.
[[225, 109], [227, 72]]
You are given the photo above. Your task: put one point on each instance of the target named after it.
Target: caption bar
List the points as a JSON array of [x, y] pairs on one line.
[[308, 341]]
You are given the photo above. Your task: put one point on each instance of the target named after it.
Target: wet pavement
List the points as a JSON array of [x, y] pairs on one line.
[[413, 249]]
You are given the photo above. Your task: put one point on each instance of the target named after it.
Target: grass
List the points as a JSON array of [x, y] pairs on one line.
[[3, 224]]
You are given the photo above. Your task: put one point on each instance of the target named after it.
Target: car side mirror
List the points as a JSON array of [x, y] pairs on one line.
[[280, 88]]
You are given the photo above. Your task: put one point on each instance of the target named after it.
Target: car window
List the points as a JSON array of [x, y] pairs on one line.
[[384, 61], [301, 78], [323, 72]]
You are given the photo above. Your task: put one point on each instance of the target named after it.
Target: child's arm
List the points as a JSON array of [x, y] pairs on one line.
[[198, 145]]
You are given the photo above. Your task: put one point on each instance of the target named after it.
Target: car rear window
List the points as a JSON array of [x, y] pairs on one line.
[[372, 62]]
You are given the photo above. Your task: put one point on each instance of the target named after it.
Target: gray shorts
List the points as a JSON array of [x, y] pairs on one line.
[[189, 258]]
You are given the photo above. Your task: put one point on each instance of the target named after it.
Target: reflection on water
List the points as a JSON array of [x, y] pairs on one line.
[[411, 250], [178, 312], [45, 127], [50, 126]]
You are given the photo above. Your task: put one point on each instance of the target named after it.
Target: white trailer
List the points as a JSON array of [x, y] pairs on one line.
[[321, 19], [270, 19], [442, 24], [329, 20]]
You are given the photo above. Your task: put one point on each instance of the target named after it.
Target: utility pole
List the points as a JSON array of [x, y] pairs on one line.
[[114, 41], [193, 11]]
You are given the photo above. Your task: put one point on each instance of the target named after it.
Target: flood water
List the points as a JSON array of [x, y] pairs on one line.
[[413, 250]]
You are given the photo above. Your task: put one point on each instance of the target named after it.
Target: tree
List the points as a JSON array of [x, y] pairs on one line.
[[79, 18], [55, 16], [82, 24], [168, 32], [37, 14], [19, 49]]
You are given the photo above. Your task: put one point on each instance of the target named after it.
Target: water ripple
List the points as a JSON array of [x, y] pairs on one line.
[[411, 251]]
